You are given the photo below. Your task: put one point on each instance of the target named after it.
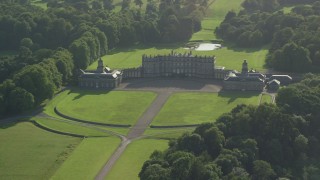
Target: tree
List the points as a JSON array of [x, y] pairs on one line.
[[96, 5], [214, 141], [108, 4], [181, 168], [20, 100], [191, 142], [292, 58], [262, 170], [64, 63], [210, 171], [26, 42], [81, 53], [34, 79], [25, 53], [2, 105], [155, 172], [125, 4], [227, 162], [138, 3]]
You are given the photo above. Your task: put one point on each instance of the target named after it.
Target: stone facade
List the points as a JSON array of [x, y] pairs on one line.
[[244, 81], [178, 65], [132, 73], [102, 78]]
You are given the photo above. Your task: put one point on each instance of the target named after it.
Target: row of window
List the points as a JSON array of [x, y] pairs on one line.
[[97, 84], [182, 59]]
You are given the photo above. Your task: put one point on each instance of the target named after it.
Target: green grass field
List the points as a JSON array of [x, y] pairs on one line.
[[49, 110], [196, 108], [87, 159], [166, 133], [265, 98], [215, 15], [115, 107], [28, 152], [49, 107], [69, 127], [130, 163]]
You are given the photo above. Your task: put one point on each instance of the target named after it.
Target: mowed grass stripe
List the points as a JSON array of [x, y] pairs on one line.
[[131, 161], [166, 133], [28, 152], [197, 108], [114, 107], [87, 159], [66, 127]]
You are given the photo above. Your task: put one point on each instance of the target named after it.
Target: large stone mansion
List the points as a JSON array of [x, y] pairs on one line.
[[178, 65]]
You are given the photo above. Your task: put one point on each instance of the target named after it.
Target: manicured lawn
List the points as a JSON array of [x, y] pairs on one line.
[[130, 162], [49, 108], [28, 152], [132, 57], [69, 127], [166, 133], [87, 159], [115, 107], [196, 108], [232, 58], [265, 98], [120, 130]]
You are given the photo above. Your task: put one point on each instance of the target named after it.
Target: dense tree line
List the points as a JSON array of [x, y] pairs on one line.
[[250, 142], [293, 37], [88, 28], [34, 83]]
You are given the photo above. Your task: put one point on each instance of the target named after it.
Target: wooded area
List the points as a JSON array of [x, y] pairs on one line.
[[53, 44], [293, 37], [250, 142]]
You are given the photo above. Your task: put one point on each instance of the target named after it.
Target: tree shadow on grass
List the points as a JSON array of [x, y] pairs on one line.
[[87, 91], [233, 47], [139, 47], [12, 121], [233, 95], [182, 83]]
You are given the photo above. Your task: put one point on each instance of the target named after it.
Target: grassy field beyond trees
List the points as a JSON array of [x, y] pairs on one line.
[[214, 16]]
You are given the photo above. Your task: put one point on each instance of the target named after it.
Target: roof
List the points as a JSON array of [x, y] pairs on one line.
[[281, 77], [261, 76], [246, 78], [274, 82], [104, 75]]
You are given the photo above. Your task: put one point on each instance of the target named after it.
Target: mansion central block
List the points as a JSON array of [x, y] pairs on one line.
[[178, 65]]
